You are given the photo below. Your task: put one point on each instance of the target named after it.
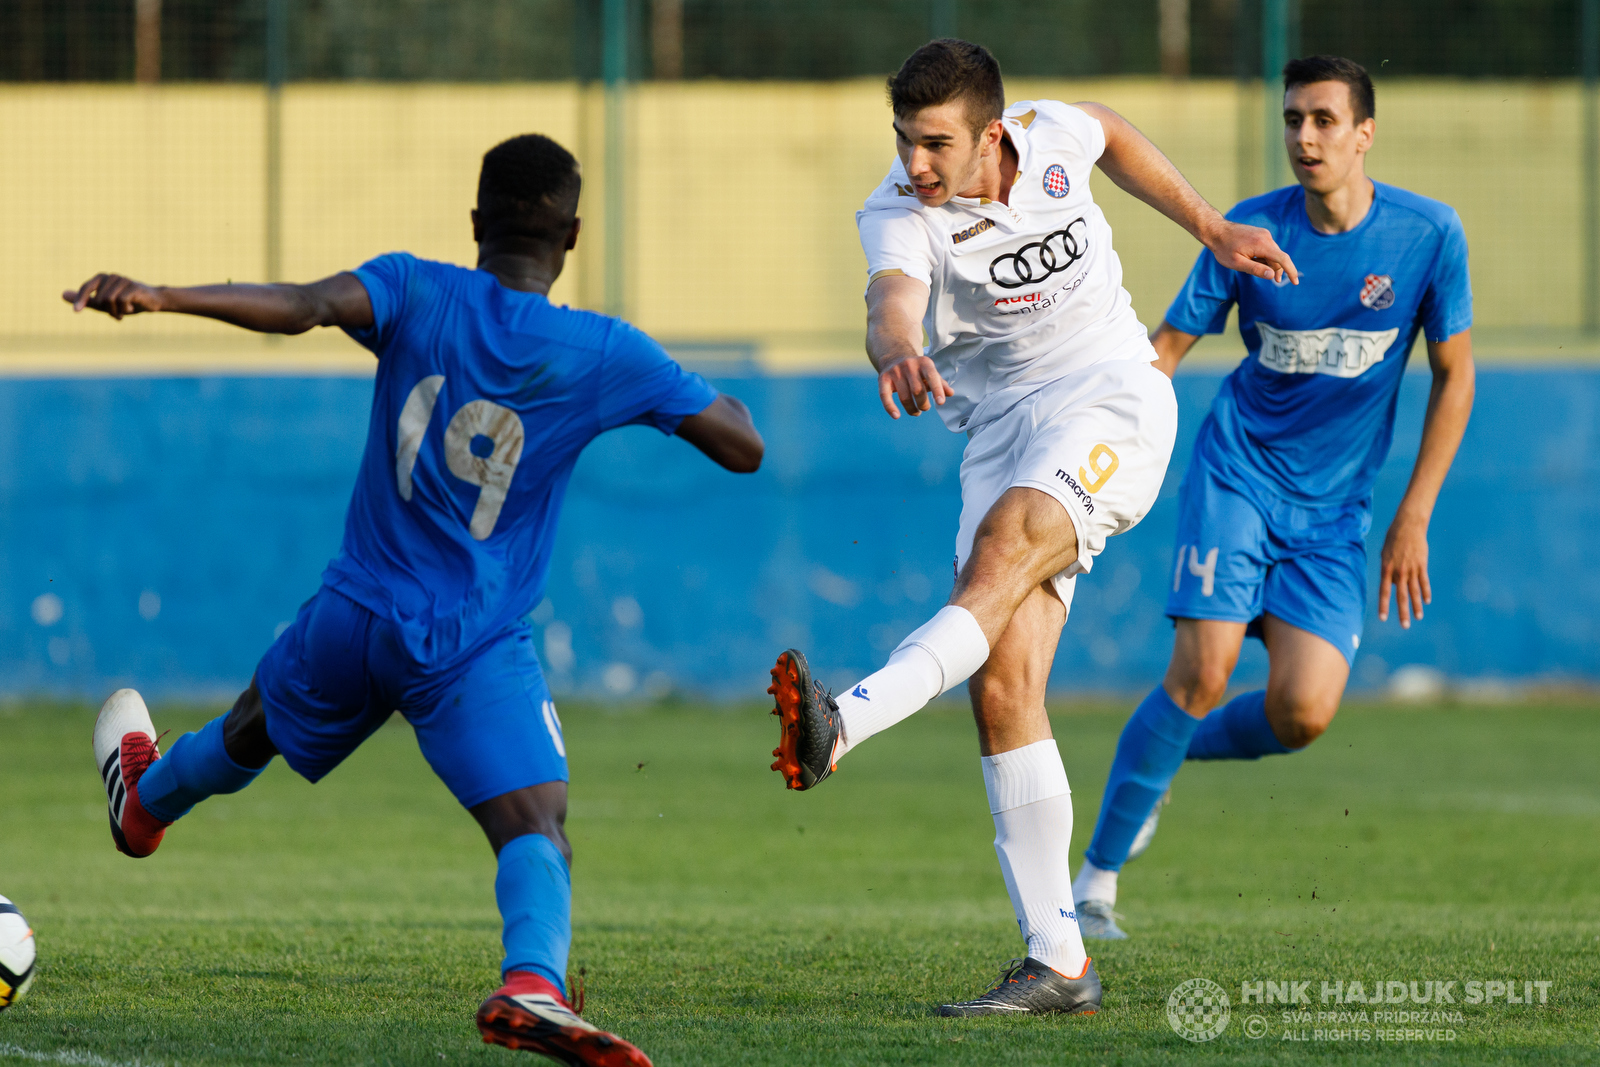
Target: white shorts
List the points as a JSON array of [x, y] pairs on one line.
[[1098, 440]]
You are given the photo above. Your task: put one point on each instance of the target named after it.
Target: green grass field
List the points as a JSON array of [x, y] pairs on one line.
[[722, 920]]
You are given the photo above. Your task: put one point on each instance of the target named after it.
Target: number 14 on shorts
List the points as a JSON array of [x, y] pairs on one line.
[[1204, 569]]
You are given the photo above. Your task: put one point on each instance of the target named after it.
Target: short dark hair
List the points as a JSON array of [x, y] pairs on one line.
[[528, 188], [1334, 69], [945, 70]]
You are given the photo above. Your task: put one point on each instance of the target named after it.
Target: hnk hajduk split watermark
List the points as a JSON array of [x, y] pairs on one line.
[[1346, 1009]]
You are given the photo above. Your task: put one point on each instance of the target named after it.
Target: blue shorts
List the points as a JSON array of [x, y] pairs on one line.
[[486, 726], [1242, 554]]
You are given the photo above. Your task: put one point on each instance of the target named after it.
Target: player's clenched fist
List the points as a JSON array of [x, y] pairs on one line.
[[115, 295], [915, 380]]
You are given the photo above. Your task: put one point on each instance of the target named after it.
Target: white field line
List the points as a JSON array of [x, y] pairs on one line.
[[69, 1057]]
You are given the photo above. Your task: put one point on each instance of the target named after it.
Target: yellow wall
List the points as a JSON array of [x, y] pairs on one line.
[[741, 200]]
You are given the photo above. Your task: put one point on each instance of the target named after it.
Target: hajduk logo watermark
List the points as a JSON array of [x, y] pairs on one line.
[[1347, 1010], [1198, 1010]]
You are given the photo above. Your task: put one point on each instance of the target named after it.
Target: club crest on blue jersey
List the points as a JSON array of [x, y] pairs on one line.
[[1377, 291], [1055, 181]]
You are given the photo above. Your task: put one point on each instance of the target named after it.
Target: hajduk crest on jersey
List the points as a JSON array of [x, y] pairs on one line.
[[1055, 181]]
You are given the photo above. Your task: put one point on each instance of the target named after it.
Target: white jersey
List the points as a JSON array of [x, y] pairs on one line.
[[1019, 294]]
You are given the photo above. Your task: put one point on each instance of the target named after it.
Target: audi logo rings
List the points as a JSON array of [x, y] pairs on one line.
[[1037, 260]]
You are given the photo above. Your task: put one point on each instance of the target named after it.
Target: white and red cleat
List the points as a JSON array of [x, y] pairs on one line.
[[124, 748], [530, 1013]]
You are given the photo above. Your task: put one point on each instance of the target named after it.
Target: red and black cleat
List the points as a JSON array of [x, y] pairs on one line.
[[531, 1014], [124, 748], [808, 720]]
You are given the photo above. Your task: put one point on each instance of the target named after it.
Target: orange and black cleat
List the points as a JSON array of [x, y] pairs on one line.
[[531, 1014], [809, 722]]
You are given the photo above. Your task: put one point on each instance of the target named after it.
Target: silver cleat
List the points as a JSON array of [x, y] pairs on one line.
[[1097, 922], [1147, 832]]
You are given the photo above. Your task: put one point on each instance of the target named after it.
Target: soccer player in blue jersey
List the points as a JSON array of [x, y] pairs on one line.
[[486, 393], [1277, 501]]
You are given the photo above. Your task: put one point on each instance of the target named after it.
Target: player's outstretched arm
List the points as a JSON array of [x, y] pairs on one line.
[[337, 301], [1171, 345], [725, 432], [1405, 549], [1139, 168], [895, 306]]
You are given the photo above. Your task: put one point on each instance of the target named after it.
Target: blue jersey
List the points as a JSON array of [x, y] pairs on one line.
[[484, 397], [1309, 415]]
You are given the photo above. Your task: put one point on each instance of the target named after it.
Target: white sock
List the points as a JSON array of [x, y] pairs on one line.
[[1094, 884], [1032, 809], [939, 656]]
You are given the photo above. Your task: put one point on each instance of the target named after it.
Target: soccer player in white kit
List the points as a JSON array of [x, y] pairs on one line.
[[984, 237]]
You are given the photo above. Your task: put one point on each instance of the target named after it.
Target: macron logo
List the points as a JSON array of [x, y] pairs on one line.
[[860, 691]]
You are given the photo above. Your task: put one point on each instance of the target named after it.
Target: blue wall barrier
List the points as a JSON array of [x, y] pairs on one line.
[[158, 532]]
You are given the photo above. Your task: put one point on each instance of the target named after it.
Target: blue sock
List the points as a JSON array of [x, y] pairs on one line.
[[195, 767], [1237, 730], [534, 891], [1149, 753]]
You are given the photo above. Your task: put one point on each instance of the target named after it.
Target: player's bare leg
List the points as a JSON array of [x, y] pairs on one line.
[[1025, 538], [1305, 682], [526, 829], [538, 809], [1008, 690], [244, 730], [1306, 676], [1032, 810], [1204, 653]]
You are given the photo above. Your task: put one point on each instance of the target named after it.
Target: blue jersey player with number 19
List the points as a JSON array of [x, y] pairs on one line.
[[1274, 510], [486, 393]]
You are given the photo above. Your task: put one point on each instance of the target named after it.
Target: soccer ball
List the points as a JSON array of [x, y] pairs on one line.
[[16, 955]]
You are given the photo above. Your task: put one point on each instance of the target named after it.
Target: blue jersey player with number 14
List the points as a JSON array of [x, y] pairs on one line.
[[485, 394], [1277, 501]]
